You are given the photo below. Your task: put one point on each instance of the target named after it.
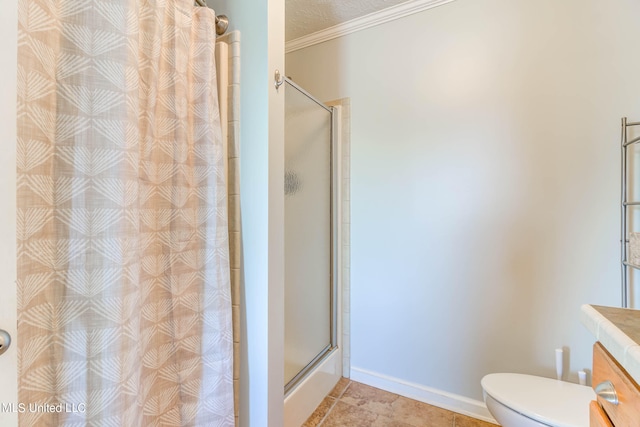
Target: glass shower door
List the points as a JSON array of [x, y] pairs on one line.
[[308, 233]]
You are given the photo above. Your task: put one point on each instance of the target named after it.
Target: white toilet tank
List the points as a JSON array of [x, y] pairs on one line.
[[526, 400]]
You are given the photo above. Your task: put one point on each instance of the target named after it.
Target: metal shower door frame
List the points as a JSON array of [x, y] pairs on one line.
[[333, 226]]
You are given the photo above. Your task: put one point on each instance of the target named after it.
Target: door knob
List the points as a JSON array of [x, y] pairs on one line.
[[5, 341], [607, 391]]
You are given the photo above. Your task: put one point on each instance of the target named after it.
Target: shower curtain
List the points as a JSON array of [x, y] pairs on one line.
[[124, 306]]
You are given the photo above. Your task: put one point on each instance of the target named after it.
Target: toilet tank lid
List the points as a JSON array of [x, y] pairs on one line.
[[552, 402]]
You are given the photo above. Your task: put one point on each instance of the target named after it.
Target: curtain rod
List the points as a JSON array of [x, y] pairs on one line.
[[222, 22]]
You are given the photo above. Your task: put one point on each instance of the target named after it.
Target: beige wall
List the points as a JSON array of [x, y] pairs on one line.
[[484, 182]]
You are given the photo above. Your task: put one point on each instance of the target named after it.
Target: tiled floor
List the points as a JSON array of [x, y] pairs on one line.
[[354, 404]]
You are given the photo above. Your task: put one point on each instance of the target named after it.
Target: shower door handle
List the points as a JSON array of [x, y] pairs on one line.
[[5, 341]]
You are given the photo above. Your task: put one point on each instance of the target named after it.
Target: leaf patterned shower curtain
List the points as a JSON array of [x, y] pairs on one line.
[[123, 273]]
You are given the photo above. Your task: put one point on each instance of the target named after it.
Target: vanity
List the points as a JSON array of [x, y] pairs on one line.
[[616, 365]]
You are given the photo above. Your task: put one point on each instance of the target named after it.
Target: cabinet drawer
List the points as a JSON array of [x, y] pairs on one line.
[[597, 417], [605, 367]]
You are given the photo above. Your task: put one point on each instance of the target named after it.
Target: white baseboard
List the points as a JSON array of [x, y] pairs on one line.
[[449, 401]]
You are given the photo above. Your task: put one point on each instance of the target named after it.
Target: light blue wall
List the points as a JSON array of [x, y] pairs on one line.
[[260, 23], [8, 302], [484, 182]]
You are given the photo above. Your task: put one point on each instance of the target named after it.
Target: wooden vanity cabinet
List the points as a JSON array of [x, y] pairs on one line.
[[597, 417], [604, 413]]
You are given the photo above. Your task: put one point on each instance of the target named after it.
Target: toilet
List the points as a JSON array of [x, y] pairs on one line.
[[518, 400]]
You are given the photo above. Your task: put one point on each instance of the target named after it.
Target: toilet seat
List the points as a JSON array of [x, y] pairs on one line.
[[551, 402]]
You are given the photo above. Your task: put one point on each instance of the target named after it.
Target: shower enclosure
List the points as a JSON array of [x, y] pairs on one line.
[[310, 237]]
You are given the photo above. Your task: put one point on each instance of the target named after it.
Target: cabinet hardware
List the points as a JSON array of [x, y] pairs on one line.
[[607, 391]]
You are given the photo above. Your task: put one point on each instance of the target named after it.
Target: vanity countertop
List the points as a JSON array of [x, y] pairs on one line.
[[618, 329]]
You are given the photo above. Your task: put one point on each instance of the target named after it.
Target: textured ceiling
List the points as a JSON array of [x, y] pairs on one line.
[[304, 17]]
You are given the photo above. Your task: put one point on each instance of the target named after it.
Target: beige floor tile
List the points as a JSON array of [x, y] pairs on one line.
[[383, 421], [343, 415], [339, 388], [464, 421], [352, 404], [369, 398], [321, 411], [420, 414]]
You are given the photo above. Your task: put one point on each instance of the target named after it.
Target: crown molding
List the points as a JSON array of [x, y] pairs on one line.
[[367, 21]]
